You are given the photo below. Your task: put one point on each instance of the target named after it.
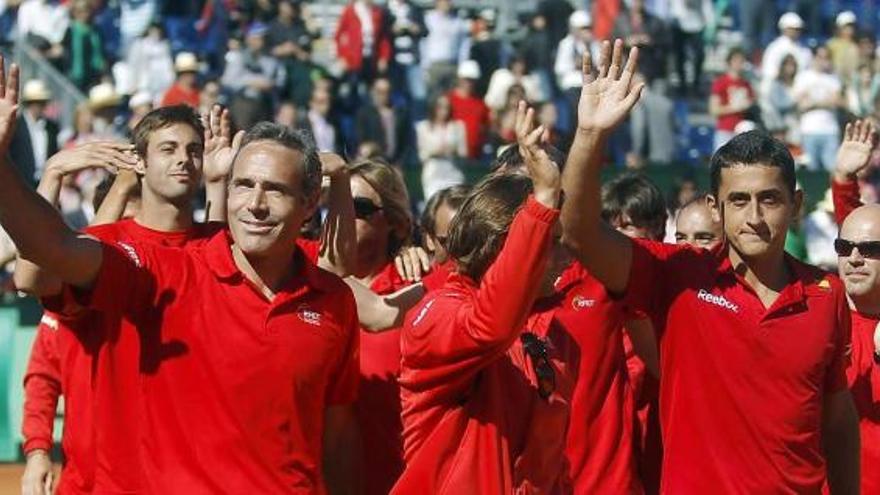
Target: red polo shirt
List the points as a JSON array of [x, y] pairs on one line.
[[378, 404], [864, 381], [742, 386], [235, 386], [473, 421], [87, 357], [600, 442]]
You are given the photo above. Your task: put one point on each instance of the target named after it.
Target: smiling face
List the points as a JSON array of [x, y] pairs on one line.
[[267, 204], [173, 163], [756, 208], [860, 271]]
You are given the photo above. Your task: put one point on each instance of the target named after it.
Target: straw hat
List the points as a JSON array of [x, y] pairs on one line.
[[102, 96], [186, 62], [35, 90]]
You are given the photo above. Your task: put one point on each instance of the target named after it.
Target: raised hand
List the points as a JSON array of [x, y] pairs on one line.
[[8, 104], [220, 145], [109, 155], [854, 154], [607, 98], [543, 172], [332, 165], [411, 262]]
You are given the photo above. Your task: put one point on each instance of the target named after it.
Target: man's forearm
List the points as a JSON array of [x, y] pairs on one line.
[[215, 200], [40, 234], [338, 238], [581, 184]]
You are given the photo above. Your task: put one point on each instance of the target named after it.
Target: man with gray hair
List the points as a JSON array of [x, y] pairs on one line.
[[234, 404]]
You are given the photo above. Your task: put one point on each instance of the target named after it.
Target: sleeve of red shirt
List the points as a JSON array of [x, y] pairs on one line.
[[836, 377], [649, 278], [846, 197], [42, 387], [718, 88], [343, 386], [455, 341], [384, 41]]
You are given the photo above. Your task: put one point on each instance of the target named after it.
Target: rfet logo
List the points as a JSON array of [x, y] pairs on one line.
[[581, 302], [308, 315]]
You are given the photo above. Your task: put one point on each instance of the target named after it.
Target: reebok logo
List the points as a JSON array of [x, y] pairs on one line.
[[423, 312], [710, 298]]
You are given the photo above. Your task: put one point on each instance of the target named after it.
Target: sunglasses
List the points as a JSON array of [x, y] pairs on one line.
[[364, 208], [536, 349], [868, 249]]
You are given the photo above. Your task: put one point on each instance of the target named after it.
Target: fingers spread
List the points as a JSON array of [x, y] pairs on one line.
[[616, 59]]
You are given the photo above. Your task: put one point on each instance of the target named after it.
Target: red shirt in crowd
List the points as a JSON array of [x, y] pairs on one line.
[[179, 94], [235, 386], [474, 114], [473, 420], [742, 385], [729, 89], [846, 198], [87, 357], [378, 404], [350, 39]]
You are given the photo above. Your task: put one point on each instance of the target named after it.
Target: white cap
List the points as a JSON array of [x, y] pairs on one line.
[[744, 126], [580, 19], [469, 69], [489, 15], [139, 99], [845, 18], [35, 90], [790, 20]]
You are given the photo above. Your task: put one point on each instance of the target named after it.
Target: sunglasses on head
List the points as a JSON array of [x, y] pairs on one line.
[[536, 349], [364, 208], [868, 249]]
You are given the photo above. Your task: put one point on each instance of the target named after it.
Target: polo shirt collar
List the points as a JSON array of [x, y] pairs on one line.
[[218, 256], [806, 280]]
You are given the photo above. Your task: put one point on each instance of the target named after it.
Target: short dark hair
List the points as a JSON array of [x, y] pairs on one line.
[[753, 148], [733, 52], [452, 197], [510, 159], [161, 118], [638, 198], [479, 229], [294, 139]]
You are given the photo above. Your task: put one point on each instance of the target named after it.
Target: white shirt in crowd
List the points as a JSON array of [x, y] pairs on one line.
[[39, 142], [322, 131], [500, 83], [814, 86], [48, 20], [365, 15], [440, 146], [776, 51], [443, 43], [693, 15], [820, 230], [569, 60]]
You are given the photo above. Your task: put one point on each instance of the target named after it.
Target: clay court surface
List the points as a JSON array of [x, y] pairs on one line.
[[10, 478]]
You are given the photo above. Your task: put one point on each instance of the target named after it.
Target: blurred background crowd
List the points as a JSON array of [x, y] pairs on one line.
[[431, 86]]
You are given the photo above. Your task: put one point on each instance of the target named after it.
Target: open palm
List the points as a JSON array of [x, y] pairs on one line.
[[8, 104], [854, 154], [220, 146], [607, 97]]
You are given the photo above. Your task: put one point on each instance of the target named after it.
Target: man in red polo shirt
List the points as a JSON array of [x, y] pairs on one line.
[[99, 376], [247, 468], [753, 394], [858, 249]]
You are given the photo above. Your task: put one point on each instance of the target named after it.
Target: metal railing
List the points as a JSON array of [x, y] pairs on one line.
[[65, 96]]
